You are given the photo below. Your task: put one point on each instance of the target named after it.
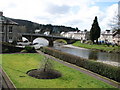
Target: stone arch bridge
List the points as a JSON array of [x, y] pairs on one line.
[[50, 38]]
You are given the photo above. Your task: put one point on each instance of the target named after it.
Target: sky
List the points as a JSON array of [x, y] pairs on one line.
[[71, 13]]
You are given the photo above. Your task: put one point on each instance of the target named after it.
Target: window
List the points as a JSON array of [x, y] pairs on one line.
[[2, 37], [10, 28], [2, 28], [10, 38]]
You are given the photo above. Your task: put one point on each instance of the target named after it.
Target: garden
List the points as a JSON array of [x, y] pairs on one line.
[[17, 65]]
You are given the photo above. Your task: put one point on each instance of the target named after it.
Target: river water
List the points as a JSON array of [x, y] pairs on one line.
[[108, 58]]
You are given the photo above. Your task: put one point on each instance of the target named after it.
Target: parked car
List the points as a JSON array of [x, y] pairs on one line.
[[24, 43]]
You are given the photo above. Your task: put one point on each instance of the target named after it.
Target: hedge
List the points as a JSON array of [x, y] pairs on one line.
[[30, 49], [106, 70], [9, 48]]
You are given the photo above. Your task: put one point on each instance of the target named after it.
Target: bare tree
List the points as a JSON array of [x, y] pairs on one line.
[[115, 25], [46, 65]]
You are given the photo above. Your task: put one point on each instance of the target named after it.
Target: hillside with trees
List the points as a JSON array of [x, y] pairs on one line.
[[53, 29], [30, 26]]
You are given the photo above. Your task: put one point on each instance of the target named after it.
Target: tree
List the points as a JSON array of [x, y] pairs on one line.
[[95, 31], [46, 65], [76, 29], [115, 23]]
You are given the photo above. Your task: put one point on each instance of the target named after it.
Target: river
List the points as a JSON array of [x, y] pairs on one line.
[[108, 58]]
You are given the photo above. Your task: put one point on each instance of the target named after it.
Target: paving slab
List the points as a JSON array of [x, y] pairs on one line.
[[6, 83]]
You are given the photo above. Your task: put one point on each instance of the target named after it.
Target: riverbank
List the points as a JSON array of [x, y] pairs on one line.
[[103, 48]]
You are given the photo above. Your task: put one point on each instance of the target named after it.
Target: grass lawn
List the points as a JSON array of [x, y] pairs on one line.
[[98, 47], [16, 66]]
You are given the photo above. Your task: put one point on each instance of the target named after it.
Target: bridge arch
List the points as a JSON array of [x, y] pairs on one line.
[[41, 41], [61, 41], [24, 39]]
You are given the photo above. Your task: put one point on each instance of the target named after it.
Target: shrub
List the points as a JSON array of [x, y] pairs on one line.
[[24, 51], [61, 41], [88, 42], [9, 48], [14, 42], [30, 49], [106, 70], [5, 50]]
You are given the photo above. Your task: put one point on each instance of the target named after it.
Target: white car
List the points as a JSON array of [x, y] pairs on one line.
[[24, 43]]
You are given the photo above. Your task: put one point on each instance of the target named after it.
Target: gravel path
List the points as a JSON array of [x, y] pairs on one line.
[[99, 77]]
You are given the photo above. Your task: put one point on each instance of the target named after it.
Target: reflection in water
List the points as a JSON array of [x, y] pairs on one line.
[[82, 53], [93, 55]]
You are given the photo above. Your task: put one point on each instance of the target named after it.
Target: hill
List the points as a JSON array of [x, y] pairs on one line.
[[32, 26]]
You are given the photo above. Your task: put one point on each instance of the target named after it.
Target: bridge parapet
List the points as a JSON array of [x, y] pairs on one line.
[[50, 38]]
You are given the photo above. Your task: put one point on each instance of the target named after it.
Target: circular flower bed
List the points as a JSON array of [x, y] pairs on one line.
[[42, 74]]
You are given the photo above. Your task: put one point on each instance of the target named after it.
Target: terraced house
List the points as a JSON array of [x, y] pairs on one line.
[[8, 29]]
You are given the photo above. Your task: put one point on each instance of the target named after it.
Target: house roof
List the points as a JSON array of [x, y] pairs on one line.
[[117, 36], [116, 33], [8, 21]]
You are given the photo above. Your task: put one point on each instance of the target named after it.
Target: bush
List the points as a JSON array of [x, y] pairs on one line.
[[30, 49], [9, 48], [106, 70], [24, 51], [88, 42], [5, 50], [61, 41], [14, 42]]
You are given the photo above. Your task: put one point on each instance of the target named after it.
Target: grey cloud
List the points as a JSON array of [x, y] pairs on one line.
[[12, 5], [74, 22], [43, 18], [55, 9]]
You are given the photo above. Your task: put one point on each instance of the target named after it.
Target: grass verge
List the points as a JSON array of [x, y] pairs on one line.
[[16, 66], [98, 47]]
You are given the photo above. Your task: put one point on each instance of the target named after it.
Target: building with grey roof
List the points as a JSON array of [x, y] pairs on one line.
[[8, 29]]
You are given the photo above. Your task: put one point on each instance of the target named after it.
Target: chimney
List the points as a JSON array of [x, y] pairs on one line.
[[1, 13]]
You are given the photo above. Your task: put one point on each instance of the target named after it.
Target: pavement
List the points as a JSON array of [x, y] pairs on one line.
[[5, 82], [97, 76]]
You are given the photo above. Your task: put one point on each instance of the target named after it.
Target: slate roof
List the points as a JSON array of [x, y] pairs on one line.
[[6, 20], [117, 34]]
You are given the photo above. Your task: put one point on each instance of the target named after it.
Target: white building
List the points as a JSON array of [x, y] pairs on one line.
[[106, 36], [68, 34], [37, 31], [116, 37], [82, 35], [47, 33]]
